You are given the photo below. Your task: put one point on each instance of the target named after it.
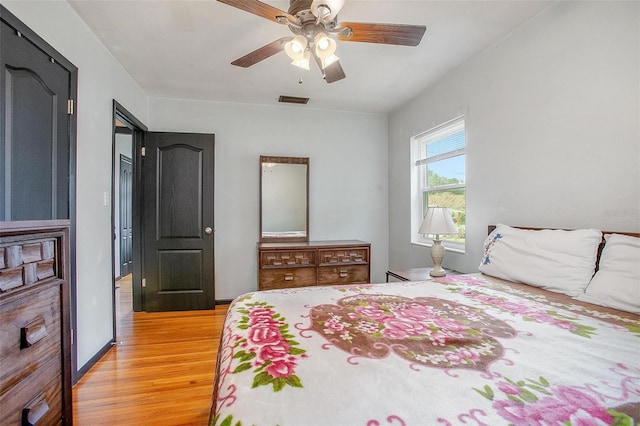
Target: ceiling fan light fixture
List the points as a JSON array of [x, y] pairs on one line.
[[296, 48], [326, 10], [304, 61], [315, 26], [329, 60], [324, 45]]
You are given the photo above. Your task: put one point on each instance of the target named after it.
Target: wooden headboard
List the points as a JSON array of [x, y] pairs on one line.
[[491, 228]]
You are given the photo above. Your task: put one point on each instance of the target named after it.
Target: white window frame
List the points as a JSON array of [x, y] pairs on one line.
[[418, 171]]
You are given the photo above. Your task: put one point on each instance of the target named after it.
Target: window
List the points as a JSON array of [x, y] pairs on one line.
[[438, 170]]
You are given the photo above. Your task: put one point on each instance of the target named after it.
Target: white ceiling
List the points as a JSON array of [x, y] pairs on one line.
[[184, 49]]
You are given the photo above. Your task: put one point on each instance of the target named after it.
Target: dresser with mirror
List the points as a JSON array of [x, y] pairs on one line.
[[286, 257]]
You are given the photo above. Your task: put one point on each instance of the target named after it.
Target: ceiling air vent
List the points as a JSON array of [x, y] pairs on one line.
[[293, 99]]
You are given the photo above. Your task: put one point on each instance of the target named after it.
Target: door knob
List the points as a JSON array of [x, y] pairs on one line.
[[208, 230]]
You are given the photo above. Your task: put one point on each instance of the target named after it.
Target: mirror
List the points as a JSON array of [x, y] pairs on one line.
[[284, 199]]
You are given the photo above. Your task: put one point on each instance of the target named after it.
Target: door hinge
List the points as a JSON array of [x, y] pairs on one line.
[[143, 151], [72, 336], [144, 283], [70, 106]]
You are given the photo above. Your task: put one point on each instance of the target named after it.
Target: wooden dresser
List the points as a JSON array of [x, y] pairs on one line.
[[286, 265], [35, 330]]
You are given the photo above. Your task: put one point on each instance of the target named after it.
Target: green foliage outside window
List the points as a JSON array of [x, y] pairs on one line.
[[454, 199]]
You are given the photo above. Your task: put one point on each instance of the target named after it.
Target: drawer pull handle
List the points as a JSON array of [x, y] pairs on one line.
[[344, 273], [32, 333], [288, 277], [34, 411]]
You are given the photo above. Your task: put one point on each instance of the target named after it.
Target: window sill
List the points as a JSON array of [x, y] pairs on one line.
[[446, 248]]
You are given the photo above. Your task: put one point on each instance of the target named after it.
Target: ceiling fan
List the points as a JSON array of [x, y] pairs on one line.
[[314, 25]]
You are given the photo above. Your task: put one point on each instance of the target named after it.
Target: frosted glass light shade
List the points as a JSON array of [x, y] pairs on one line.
[[296, 47], [324, 45], [304, 61], [326, 10]]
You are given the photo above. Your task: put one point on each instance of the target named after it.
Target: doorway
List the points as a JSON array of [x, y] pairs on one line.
[[122, 216], [128, 136], [123, 198], [172, 226]]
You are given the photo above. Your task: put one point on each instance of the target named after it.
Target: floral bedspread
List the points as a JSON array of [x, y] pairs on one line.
[[459, 350]]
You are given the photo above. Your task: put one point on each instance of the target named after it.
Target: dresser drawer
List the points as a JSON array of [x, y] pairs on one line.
[[286, 278], [286, 259], [30, 335], [42, 393], [355, 255], [343, 274]]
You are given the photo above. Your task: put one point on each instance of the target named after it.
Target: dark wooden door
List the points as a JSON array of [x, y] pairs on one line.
[[125, 185], [35, 136], [178, 221]]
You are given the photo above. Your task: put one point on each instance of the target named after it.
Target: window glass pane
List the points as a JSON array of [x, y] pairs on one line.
[[455, 199], [446, 172], [439, 175], [446, 144]]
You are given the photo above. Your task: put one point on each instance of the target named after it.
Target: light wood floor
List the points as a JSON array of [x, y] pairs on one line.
[[161, 373]]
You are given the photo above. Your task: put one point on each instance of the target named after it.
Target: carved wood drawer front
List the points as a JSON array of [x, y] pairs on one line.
[[351, 274], [287, 259], [35, 324], [344, 256], [35, 401], [313, 263], [26, 263], [30, 330], [287, 278]]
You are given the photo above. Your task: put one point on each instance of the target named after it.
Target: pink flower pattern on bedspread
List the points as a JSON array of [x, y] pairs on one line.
[[474, 351], [268, 348], [425, 330], [539, 403]]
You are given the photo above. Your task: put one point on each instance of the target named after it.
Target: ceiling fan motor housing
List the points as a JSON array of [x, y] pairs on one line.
[[298, 6], [307, 24]]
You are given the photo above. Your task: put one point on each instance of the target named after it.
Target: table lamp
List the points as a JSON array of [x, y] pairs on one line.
[[436, 222]]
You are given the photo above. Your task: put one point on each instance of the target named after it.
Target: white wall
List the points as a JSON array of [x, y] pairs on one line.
[[552, 121], [100, 80], [348, 193]]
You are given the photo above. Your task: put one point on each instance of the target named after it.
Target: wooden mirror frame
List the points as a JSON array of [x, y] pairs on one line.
[[284, 238]]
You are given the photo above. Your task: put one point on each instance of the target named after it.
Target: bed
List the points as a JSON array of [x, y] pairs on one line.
[[473, 349]]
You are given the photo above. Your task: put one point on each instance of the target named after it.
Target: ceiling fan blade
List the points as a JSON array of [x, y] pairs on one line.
[[403, 35], [262, 53], [261, 9], [333, 72]]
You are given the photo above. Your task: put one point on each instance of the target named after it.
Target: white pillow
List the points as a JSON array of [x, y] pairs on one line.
[[556, 260], [617, 282]]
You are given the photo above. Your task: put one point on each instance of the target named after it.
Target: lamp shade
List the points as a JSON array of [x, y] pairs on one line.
[[438, 221], [325, 46], [296, 47]]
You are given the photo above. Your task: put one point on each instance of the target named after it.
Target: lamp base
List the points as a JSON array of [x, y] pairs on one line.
[[437, 254], [437, 272]]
